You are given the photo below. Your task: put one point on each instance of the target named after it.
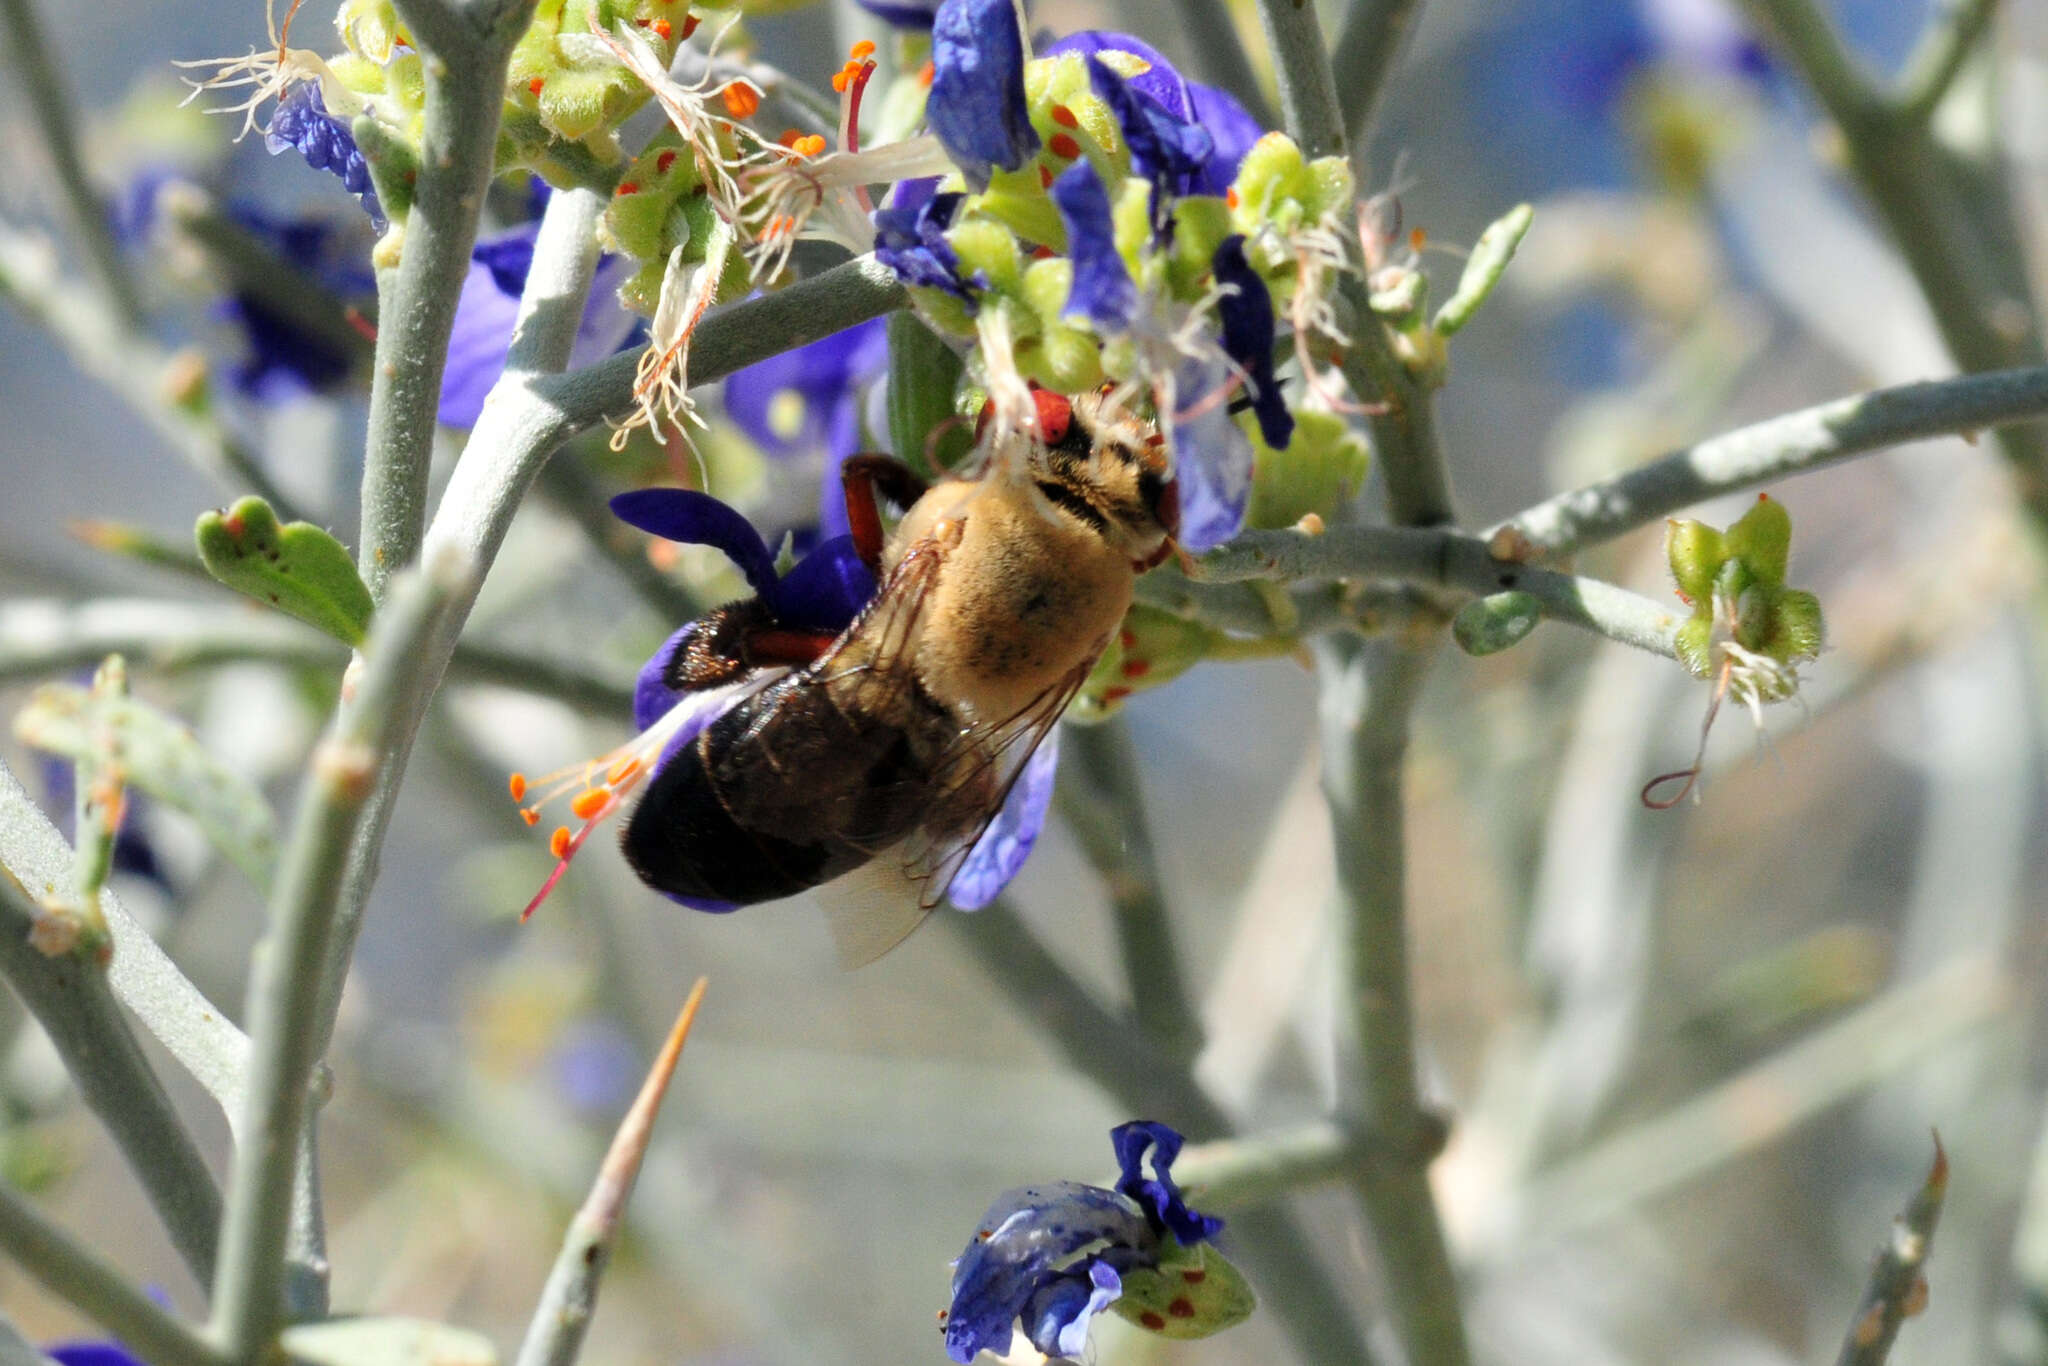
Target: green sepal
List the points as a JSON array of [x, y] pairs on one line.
[[1320, 470], [297, 568], [924, 387], [1495, 622], [102, 728], [1483, 269], [1695, 552], [984, 245], [1694, 641], [1153, 648], [1194, 1292], [561, 71], [394, 165], [1762, 539], [369, 28]]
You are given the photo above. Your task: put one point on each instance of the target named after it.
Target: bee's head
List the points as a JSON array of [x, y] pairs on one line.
[[1106, 468]]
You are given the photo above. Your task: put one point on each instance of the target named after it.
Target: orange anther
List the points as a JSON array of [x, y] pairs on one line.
[[1230, 196], [621, 771], [924, 73], [861, 50], [812, 146], [529, 815], [690, 25], [789, 137], [1064, 146], [661, 26], [839, 79], [585, 804], [741, 99], [518, 786], [1064, 117], [533, 86], [558, 843]]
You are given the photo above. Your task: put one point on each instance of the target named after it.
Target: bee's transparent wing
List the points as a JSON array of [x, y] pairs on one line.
[[871, 910]]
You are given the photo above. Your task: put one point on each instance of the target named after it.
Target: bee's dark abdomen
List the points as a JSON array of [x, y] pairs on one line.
[[681, 839]]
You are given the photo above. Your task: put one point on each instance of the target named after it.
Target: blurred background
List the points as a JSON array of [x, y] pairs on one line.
[[1693, 1057]]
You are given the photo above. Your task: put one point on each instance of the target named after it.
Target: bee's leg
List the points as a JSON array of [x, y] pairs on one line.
[[863, 476], [781, 645], [715, 653]]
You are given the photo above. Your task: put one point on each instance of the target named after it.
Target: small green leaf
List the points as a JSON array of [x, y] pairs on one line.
[[297, 568], [157, 754], [387, 1342], [1490, 257], [1193, 1293], [1495, 622]]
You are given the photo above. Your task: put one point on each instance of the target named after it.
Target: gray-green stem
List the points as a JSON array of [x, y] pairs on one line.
[[71, 999], [1104, 805], [466, 50], [346, 767], [98, 1290], [1368, 41]]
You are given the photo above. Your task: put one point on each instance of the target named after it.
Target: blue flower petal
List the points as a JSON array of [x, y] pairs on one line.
[[826, 589], [1007, 842], [699, 519], [912, 242], [1056, 1320], [1167, 150], [976, 106], [301, 123], [1024, 1235], [1247, 317], [1158, 1194], [1206, 106], [1102, 289], [823, 375], [91, 1354], [1212, 461]]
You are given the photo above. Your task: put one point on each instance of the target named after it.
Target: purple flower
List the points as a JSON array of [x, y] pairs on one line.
[[1247, 316], [912, 242], [484, 314], [1167, 150], [1055, 1255], [809, 400], [91, 1354], [284, 361], [1231, 130], [301, 123], [1102, 291], [1212, 458], [976, 107], [912, 15], [824, 592]]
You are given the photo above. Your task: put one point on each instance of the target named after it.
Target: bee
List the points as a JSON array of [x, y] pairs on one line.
[[892, 746]]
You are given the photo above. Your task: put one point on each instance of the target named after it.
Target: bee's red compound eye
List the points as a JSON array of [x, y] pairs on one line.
[[1055, 416]]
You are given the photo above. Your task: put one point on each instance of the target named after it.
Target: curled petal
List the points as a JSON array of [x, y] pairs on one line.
[[1007, 842], [912, 242], [1057, 1318], [1102, 290], [1025, 1235], [1158, 1194], [977, 107], [1168, 151], [1212, 460], [826, 589], [1247, 316], [699, 519], [301, 123]]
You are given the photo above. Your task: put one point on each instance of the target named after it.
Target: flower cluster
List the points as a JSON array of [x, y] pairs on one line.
[[1055, 1255]]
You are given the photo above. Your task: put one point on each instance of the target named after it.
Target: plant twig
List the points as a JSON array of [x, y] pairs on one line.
[[465, 92], [1932, 68], [567, 1302], [1292, 1280], [1232, 1173], [1794, 443], [51, 103], [1367, 695], [48, 1253], [69, 995], [1109, 819], [1301, 67], [1221, 57], [1371, 37], [1897, 1290], [286, 985]]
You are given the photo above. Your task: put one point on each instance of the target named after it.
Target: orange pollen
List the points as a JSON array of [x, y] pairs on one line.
[[533, 86], [741, 100], [924, 74], [529, 815], [628, 187], [1064, 117], [789, 138], [621, 771], [812, 146], [1230, 196], [690, 25], [839, 80], [664, 161], [662, 27], [518, 786], [586, 804], [861, 50], [1417, 238], [1064, 146], [558, 843]]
